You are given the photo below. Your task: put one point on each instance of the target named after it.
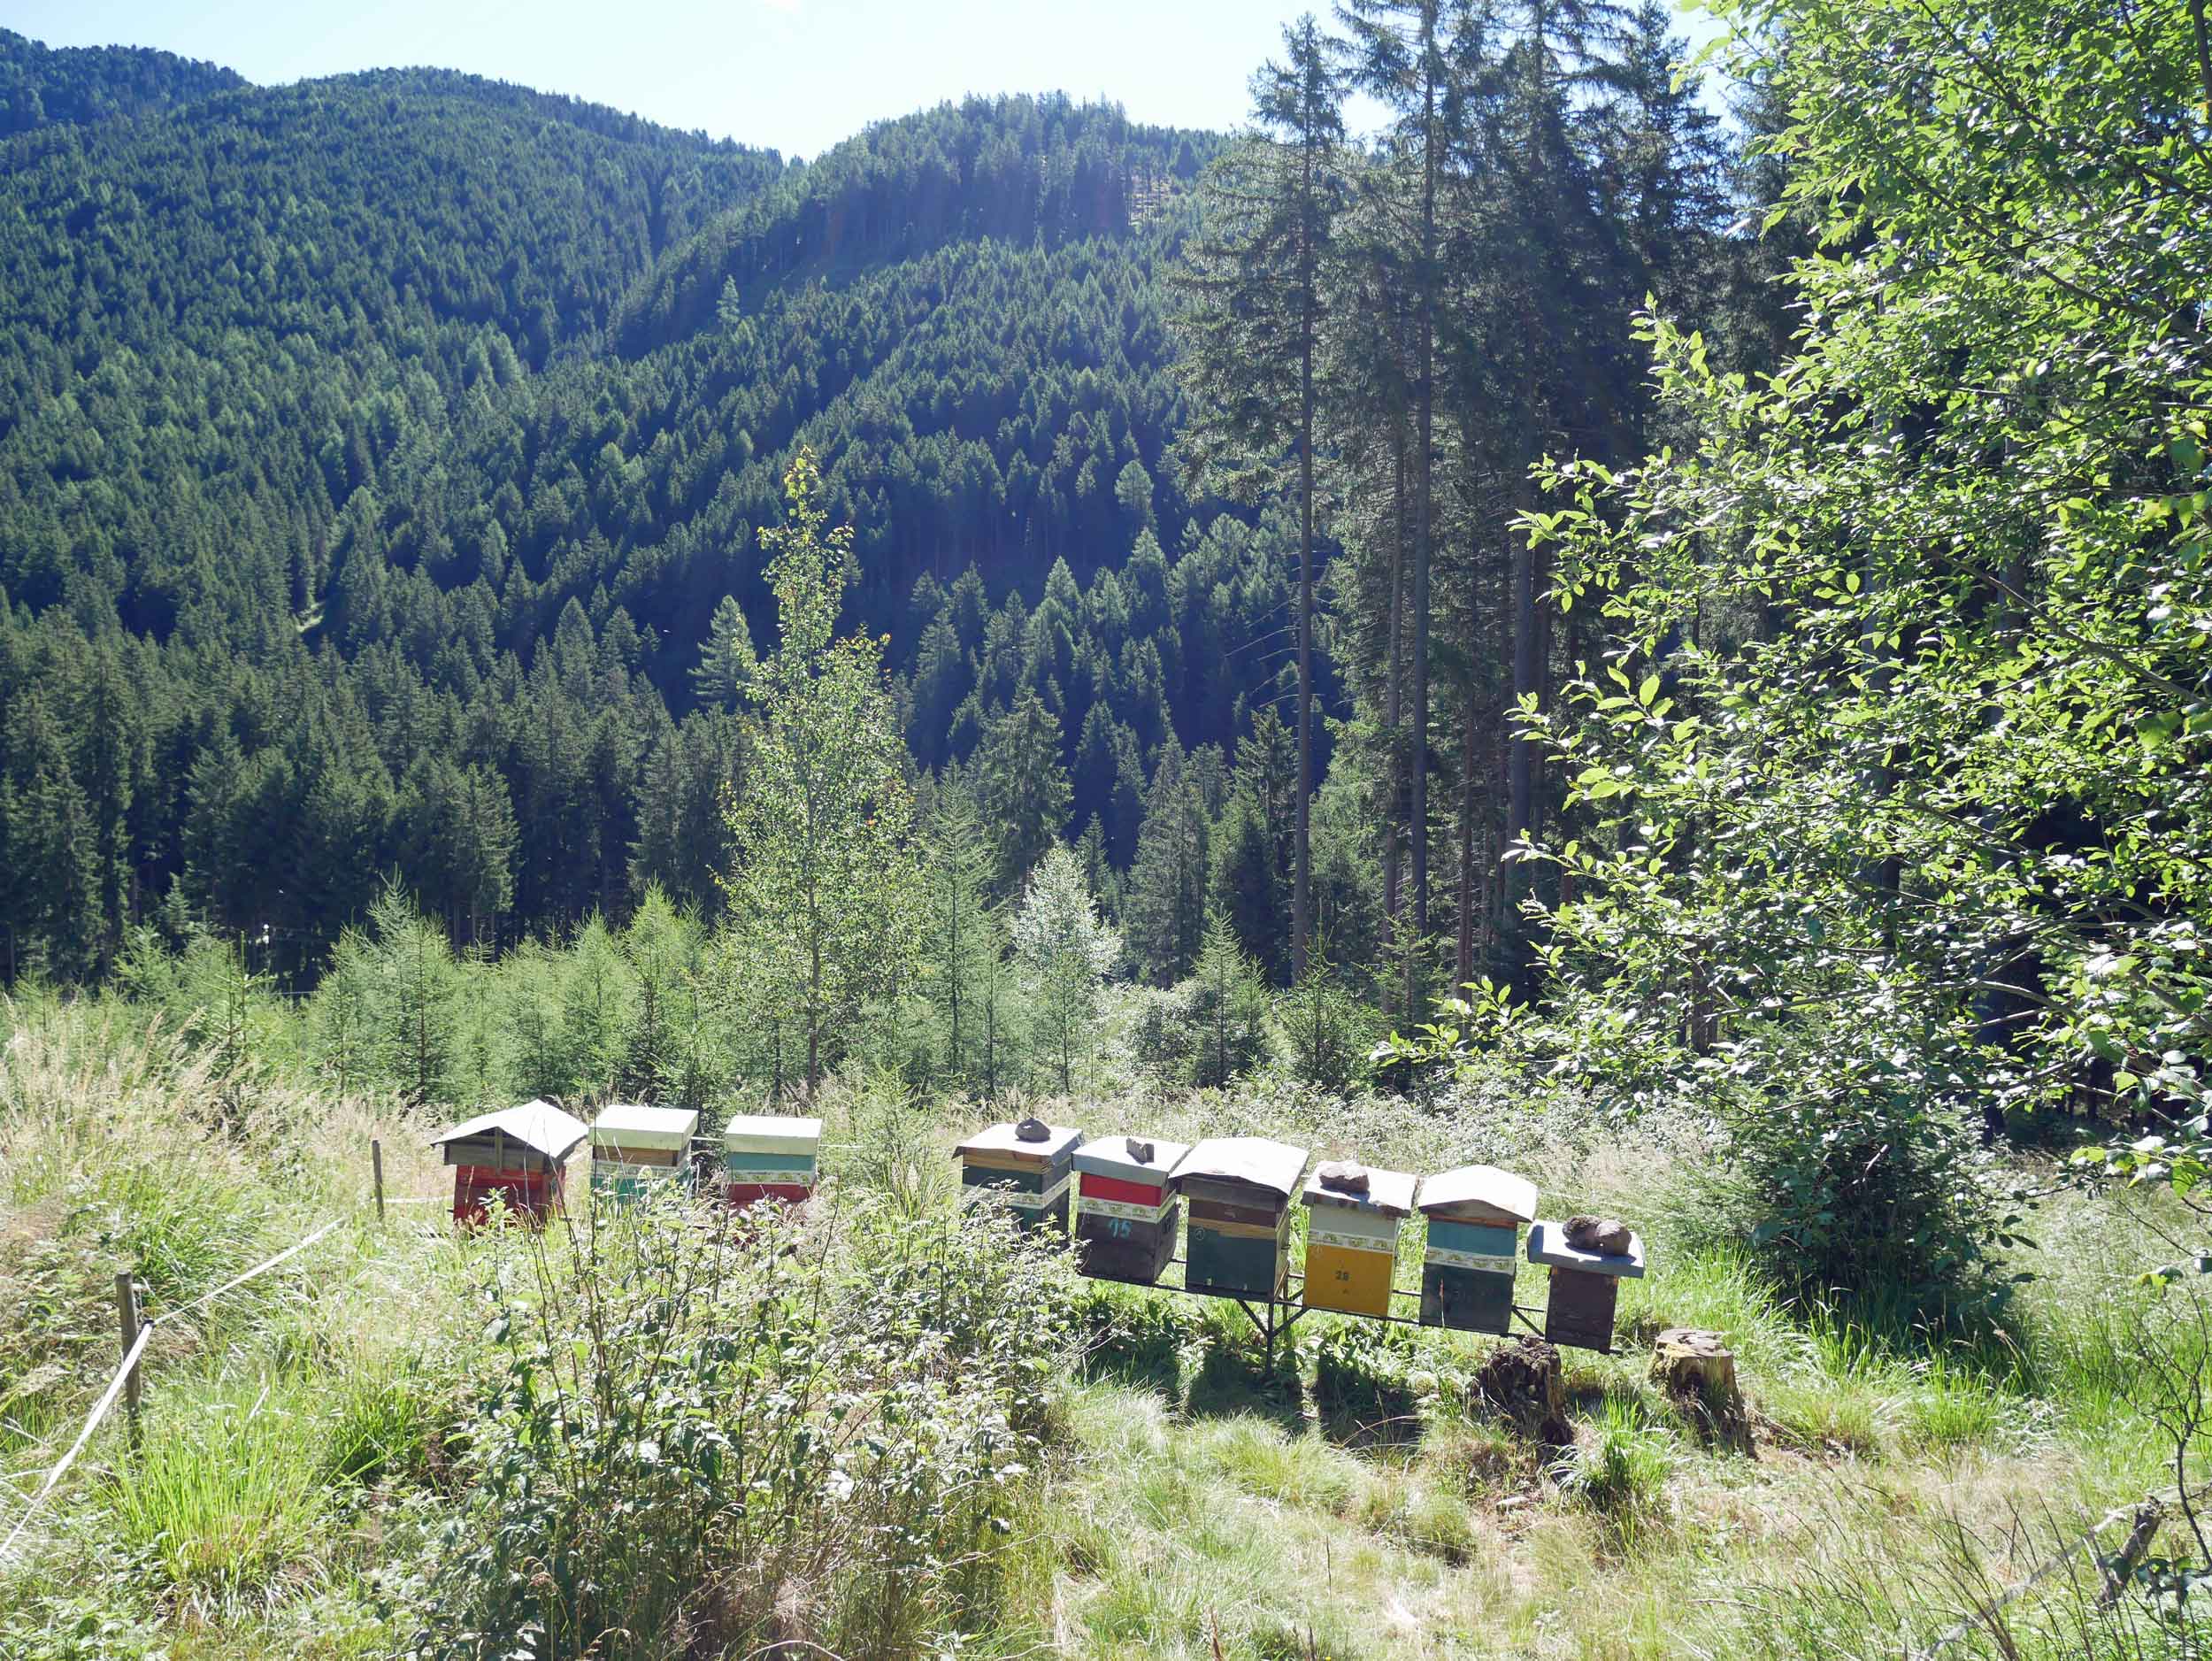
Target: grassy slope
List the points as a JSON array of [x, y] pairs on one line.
[[1195, 1510], [293, 1436]]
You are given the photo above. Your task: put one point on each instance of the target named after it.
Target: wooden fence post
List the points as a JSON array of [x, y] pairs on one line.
[[126, 1323], [376, 1164]]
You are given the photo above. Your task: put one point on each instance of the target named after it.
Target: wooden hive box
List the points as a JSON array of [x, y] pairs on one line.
[[1239, 1191], [1125, 1218], [1352, 1237], [1584, 1286], [1030, 1178], [518, 1153], [770, 1157], [635, 1147], [1474, 1215]]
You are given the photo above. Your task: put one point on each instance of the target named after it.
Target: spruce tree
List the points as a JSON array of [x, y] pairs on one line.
[[1402, 52], [825, 900], [1021, 786], [1226, 1009], [417, 1003], [965, 936], [1252, 321], [1165, 909], [1064, 953]]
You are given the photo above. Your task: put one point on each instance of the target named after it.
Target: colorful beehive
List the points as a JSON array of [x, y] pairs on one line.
[[1474, 1215], [1027, 1167], [767, 1157], [1125, 1220], [1239, 1189], [519, 1152], [1584, 1285], [635, 1148], [1352, 1218]]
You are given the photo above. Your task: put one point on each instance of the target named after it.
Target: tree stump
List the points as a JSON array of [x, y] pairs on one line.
[[1521, 1383], [1698, 1371]]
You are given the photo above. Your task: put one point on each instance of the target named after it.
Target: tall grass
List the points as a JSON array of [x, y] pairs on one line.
[[226, 1494]]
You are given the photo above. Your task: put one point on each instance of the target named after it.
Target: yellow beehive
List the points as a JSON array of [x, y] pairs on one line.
[[1352, 1218]]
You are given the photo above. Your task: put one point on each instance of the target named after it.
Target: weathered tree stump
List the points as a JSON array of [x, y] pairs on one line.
[[1521, 1383], [1698, 1371]]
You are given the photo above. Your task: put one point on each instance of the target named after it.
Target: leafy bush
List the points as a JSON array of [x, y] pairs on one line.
[[1853, 1169], [810, 1428]]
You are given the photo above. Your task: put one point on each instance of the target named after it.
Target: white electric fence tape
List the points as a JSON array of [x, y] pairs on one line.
[[115, 1385]]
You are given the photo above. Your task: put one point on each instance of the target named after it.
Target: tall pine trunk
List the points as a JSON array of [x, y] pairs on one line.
[[1394, 704], [1423, 500], [1301, 884]]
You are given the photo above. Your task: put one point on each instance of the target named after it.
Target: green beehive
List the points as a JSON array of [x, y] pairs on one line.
[[1027, 1167], [1238, 1190], [635, 1150], [1474, 1216]]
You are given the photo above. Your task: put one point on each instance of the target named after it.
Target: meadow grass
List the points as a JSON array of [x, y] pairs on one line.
[[305, 1439]]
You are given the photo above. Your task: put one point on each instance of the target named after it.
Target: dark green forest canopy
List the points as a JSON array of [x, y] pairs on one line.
[[39, 86], [382, 462], [376, 452]]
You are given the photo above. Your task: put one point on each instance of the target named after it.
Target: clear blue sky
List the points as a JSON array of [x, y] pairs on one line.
[[797, 75]]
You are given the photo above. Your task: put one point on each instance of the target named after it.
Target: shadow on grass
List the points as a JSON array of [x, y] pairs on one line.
[[1234, 1377], [1363, 1409], [1133, 1336]]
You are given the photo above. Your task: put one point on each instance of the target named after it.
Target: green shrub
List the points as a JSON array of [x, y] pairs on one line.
[[817, 1429]]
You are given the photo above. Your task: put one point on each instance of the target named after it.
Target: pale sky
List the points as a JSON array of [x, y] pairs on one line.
[[794, 75]]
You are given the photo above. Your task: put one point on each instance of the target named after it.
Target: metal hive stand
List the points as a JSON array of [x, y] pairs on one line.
[[1269, 1327]]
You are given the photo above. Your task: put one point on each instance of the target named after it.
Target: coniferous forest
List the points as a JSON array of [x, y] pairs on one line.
[[386, 456], [1549, 601]]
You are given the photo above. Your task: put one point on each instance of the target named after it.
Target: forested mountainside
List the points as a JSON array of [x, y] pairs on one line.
[[97, 83], [383, 460]]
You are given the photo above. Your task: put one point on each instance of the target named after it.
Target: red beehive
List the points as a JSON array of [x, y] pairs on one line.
[[519, 1152]]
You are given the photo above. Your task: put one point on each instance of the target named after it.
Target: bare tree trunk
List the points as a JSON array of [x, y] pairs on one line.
[[1393, 695], [1520, 759], [1423, 503], [1301, 884], [1464, 960]]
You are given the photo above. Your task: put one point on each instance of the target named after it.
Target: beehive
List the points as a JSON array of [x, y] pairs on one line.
[[1239, 1190], [768, 1157], [1585, 1286], [635, 1148], [1125, 1218], [1352, 1218], [519, 1153], [1031, 1176], [1474, 1216]]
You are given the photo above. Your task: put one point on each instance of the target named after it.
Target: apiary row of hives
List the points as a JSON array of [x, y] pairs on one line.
[[1124, 1202], [1126, 1198], [521, 1154]]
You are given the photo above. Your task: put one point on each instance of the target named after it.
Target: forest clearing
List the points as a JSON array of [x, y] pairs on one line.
[[1419, 871], [1119, 1469]]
